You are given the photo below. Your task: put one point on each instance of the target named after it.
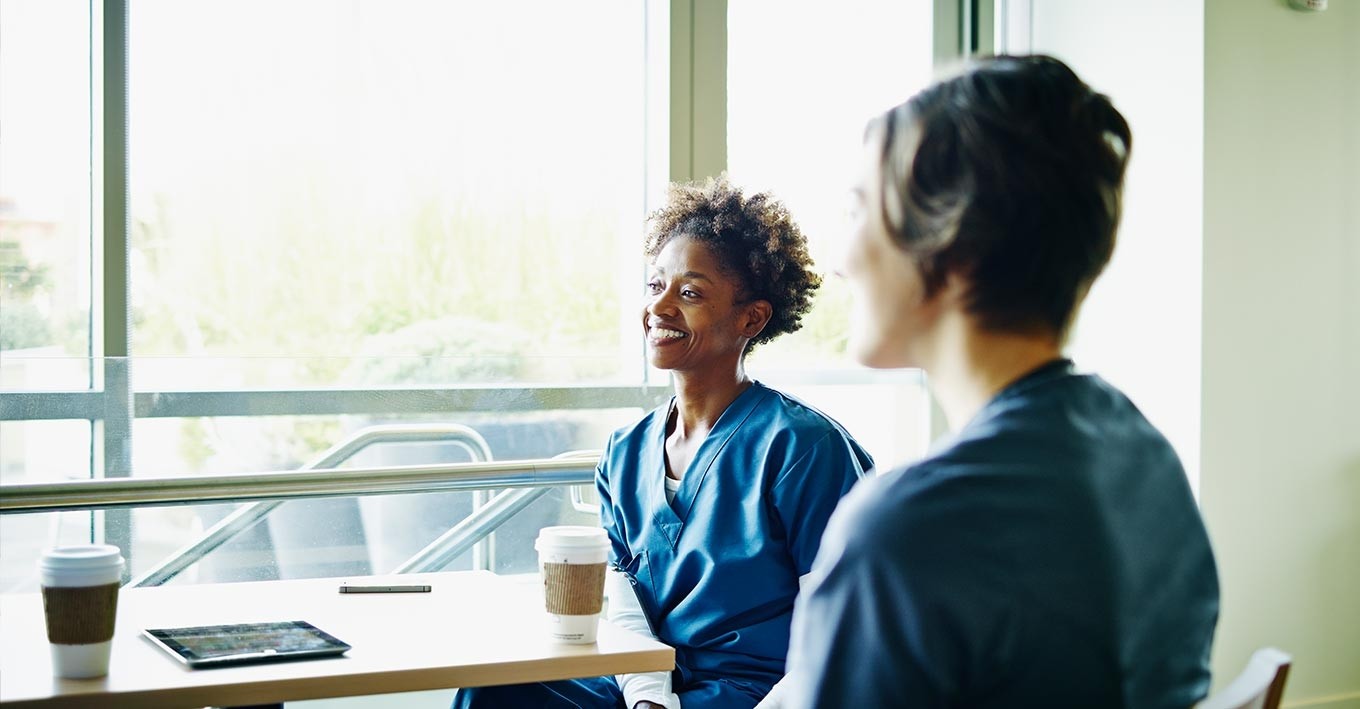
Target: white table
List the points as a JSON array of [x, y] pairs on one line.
[[473, 629]]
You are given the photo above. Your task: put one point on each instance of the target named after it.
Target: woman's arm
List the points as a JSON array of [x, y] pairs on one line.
[[624, 609], [775, 699], [805, 495], [626, 612]]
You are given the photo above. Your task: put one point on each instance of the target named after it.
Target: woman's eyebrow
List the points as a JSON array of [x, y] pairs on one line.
[[690, 275]]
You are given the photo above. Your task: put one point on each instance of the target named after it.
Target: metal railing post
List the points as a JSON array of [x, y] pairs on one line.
[[474, 528]]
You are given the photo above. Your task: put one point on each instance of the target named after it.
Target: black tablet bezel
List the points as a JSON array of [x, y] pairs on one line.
[[165, 638]]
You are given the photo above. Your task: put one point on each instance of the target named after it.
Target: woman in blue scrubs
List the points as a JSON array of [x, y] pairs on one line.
[[714, 503]]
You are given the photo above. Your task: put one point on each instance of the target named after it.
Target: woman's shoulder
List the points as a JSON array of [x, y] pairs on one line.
[[782, 409], [922, 500], [791, 424]]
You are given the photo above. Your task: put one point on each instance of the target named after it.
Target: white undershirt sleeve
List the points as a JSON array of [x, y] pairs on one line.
[[626, 612]]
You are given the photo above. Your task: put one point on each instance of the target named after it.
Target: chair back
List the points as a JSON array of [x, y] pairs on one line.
[[1260, 686]]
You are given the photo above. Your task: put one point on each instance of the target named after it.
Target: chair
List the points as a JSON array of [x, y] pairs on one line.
[[578, 492], [1260, 685]]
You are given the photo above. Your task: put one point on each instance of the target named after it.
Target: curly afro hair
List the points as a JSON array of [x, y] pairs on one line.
[[755, 241]]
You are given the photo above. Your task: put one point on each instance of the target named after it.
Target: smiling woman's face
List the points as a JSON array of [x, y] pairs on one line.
[[690, 315]]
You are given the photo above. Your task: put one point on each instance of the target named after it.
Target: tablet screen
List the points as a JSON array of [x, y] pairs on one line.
[[217, 645]]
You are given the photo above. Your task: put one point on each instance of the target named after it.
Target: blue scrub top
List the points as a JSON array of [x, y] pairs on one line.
[[716, 571]]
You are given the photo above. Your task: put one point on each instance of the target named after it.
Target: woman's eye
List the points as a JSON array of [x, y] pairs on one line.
[[653, 287], [689, 293]]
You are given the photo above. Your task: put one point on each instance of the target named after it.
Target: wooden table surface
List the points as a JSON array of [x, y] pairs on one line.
[[473, 628]]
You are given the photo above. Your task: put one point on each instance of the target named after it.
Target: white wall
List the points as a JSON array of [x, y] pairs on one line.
[[1281, 428], [1140, 326], [1248, 113]]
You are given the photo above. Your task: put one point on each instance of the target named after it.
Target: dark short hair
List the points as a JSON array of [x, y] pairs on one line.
[[1015, 184], [755, 241]]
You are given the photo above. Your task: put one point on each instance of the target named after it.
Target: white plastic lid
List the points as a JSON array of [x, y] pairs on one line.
[[572, 537], [81, 558], [84, 565]]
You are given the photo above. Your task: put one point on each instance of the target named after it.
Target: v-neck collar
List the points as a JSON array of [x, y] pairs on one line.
[[670, 517]]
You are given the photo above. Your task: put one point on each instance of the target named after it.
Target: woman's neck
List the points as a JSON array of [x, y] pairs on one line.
[[700, 400], [969, 366]]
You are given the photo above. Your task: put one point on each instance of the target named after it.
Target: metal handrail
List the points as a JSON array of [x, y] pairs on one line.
[[248, 515], [26, 405], [108, 493]]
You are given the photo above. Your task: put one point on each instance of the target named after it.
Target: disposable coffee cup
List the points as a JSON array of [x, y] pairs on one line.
[[572, 563], [80, 601]]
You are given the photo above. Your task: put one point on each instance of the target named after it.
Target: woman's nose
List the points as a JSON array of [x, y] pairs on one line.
[[660, 303]]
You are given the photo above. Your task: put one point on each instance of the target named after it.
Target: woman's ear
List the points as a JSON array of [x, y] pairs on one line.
[[755, 318]]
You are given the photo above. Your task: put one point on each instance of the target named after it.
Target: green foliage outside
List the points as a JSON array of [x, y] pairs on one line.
[[304, 289], [312, 284], [22, 324]]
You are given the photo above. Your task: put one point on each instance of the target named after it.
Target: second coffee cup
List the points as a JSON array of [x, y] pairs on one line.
[[572, 562]]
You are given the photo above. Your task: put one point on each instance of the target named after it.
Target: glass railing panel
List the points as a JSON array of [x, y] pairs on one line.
[[44, 451], [176, 426], [314, 538], [41, 368], [24, 536]]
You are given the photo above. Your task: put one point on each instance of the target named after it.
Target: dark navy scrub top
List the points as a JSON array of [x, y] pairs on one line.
[[1050, 555]]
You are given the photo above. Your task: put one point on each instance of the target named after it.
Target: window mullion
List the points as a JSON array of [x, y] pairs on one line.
[[115, 308], [698, 90]]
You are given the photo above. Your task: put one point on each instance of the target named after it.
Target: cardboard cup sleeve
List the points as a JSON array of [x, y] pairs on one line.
[[573, 589], [80, 615]]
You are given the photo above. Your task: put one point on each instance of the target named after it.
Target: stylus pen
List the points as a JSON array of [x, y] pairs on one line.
[[346, 588]]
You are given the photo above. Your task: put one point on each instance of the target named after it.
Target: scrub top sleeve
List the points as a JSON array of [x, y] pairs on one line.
[[807, 492], [618, 549]]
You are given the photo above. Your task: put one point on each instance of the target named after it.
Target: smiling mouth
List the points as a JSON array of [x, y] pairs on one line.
[[663, 334]]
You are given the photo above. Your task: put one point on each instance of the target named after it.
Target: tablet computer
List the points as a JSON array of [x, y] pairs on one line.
[[244, 643]]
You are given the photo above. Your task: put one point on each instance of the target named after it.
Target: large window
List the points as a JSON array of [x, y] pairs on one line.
[[45, 257], [361, 213], [45, 194], [375, 179], [803, 80]]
